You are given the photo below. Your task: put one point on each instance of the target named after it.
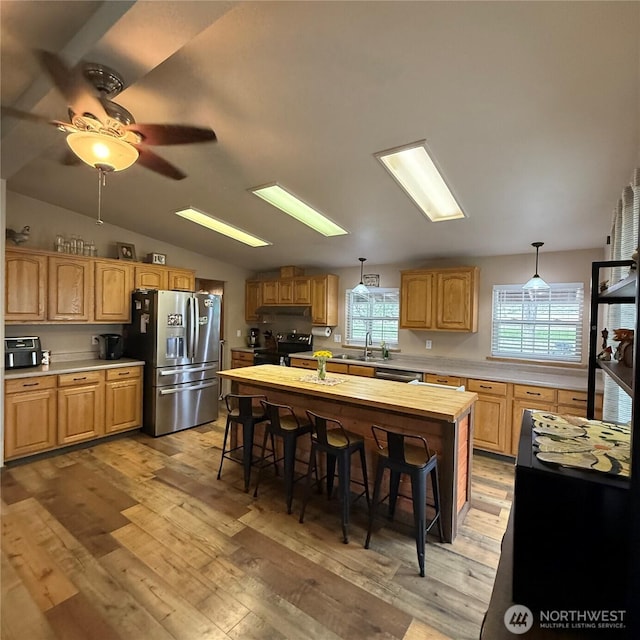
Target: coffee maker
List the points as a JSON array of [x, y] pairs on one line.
[[253, 339]]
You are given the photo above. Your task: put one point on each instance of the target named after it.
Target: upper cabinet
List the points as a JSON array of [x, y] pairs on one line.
[[49, 287], [320, 292], [440, 299], [25, 287]]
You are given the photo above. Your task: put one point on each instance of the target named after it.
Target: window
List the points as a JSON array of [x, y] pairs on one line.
[[377, 312], [538, 325]]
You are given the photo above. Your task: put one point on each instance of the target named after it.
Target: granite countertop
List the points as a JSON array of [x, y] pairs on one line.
[[539, 375], [72, 366]]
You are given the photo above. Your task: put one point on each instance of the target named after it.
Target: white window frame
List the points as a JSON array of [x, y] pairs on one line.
[[535, 318], [381, 327]]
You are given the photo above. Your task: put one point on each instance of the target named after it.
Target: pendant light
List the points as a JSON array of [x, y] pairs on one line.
[[360, 289], [536, 282]]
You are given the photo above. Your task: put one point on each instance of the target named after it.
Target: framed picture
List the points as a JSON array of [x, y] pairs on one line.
[[157, 258], [371, 280], [126, 251]]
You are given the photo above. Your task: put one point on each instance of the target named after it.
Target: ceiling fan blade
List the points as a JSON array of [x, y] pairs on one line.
[[31, 117], [78, 93], [165, 134], [154, 162]]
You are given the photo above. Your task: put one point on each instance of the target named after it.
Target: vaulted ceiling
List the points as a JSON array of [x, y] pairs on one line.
[[531, 110]]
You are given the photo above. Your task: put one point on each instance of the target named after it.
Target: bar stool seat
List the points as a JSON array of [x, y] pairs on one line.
[[282, 423], [338, 444], [243, 411], [407, 454]]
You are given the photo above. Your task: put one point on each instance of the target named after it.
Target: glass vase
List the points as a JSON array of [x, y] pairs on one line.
[[322, 368]]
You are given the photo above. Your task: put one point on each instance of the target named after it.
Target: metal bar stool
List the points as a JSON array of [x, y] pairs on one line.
[[282, 422], [243, 410], [408, 454], [331, 438]]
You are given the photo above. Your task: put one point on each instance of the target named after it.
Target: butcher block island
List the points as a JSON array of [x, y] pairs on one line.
[[443, 416]]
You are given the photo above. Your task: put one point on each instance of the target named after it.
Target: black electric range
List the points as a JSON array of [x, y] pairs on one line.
[[285, 345]]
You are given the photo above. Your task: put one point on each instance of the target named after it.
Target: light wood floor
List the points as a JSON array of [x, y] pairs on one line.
[[136, 539]]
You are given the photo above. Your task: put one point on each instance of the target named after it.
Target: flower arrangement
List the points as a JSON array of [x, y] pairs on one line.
[[322, 357]]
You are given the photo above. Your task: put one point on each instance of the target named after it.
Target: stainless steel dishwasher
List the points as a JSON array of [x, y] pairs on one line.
[[399, 375]]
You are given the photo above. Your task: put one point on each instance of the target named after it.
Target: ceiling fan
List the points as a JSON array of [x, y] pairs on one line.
[[103, 133]]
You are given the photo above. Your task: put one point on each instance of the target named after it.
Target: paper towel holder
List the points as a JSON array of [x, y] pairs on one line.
[[321, 332]]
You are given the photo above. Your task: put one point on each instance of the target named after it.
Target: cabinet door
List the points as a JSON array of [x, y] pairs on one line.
[[29, 422], [151, 277], [454, 301], [123, 402], [80, 407], [519, 405], [270, 292], [302, 291], [182, 280], [252, 299], [113, 286], [25, 286], [285, 292], [241, 359], [416, 301], [70, 288], [490, 430], [324, 300]]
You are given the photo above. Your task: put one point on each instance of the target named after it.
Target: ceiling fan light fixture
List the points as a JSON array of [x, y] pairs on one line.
[[99, 149], [536, 283], [413, 169], [360, 289], [284, 200], [205, 220]]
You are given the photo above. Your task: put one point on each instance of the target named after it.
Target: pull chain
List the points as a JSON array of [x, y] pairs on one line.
[[101, 183]]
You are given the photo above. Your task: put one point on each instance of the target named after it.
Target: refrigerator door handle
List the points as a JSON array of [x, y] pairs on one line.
[[196, 326], [166, 392], [190, 329], [172, 372], [220, 365]]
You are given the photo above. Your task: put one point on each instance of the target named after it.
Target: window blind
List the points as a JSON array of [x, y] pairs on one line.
[[377, 313], [538, 325]]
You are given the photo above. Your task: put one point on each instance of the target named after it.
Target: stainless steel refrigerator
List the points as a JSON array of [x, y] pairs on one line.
[[177, 334]]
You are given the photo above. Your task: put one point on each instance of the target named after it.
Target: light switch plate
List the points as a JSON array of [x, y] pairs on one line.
[[337, 337], [428, 344]]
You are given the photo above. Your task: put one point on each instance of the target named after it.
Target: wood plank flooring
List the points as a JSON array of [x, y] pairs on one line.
[[136, 539]]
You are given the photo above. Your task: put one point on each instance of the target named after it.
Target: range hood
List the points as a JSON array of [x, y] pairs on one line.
[[283, 310]]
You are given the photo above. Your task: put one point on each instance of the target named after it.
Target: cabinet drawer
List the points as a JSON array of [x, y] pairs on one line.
[[245, 356], [79, 378], [121, 373], [574, 398], [30, 384], [337, 367], [304, 364], [451, 381], [359, 370], [486, 386], [541, 394]]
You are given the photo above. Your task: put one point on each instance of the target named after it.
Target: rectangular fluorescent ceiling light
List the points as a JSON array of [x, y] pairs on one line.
[[416, 173], [221, 227], [285, 201]]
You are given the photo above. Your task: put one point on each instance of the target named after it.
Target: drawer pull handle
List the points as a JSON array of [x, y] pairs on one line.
[[78, 379], [533, 393], [441, 380], [486, 386], [579, 399], [30, 384], [124, 373]]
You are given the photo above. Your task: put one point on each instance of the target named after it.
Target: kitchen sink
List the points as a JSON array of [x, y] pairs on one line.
[[350, 356]]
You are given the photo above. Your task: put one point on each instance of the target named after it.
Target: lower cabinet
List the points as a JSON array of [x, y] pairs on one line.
[[30, 416], [47, 412], [528, 397], [241, 358], [123, 399], [490, 424], [336, 367]]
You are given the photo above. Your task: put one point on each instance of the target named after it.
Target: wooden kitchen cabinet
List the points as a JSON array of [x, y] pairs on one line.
[[151, 276], [302, 291], [491, 428], [80, 406], [252, 300], [29, 416], [575, 403], [528, 397], [70, 288], [113, 285], [270, 290], [25, 286], [241, 358], [324, 300], [450, 381], [439, 299], [123, 399], [181, 279], [285, 292]]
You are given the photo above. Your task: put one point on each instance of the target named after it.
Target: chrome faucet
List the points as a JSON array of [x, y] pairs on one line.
[[367, 343]]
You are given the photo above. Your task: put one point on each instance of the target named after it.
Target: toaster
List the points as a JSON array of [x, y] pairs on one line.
[[22, 352]]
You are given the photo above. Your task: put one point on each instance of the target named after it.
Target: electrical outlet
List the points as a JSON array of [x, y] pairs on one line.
[[337, 337], [94, 340], [239, 333], [428, 344]]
